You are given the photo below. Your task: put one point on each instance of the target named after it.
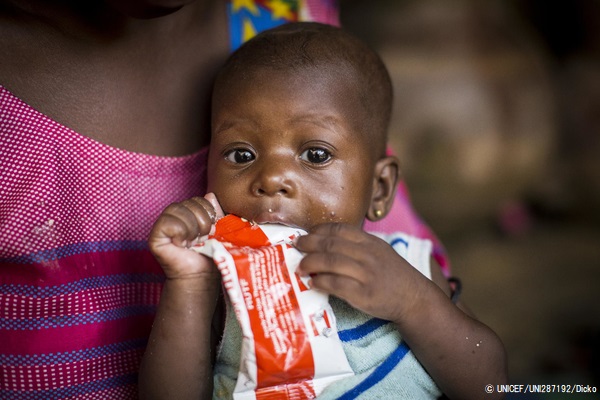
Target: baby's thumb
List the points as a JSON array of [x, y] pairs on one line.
[[212, 199]]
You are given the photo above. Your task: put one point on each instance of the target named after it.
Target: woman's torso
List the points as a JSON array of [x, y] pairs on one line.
[[143, 86]]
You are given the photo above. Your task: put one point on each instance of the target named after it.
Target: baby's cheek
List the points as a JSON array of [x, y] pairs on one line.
[[328, 216], [344, 206], [227, 192], [234, 203]]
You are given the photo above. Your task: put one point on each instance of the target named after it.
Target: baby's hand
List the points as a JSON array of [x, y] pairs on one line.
[[359, 268], [177, 228]]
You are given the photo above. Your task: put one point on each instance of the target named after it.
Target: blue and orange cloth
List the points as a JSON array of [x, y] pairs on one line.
[[248, 17]]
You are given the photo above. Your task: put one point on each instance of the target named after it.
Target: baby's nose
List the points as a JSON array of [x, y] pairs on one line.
[[273, 181]]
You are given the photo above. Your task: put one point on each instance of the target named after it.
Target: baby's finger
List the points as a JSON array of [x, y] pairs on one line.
[[204, 214], [317, 243], [179, 223], [340, 286], [212, 199], [315, 264], [345, 231]]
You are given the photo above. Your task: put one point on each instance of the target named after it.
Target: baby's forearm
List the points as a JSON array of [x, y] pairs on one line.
[[177, 361], [461, 354]]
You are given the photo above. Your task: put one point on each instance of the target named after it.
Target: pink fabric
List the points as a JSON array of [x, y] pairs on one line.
[[78, 287], [324, 11], [53, 201]]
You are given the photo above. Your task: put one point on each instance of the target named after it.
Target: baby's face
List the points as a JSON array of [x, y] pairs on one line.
[[290, 151]]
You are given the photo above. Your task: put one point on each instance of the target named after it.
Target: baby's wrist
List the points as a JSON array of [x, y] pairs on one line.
[[195, 283]]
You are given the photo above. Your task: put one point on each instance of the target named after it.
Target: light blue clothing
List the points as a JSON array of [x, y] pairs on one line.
[[384, 366]]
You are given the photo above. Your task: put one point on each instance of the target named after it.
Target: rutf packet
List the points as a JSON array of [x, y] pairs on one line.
[[290, 345]]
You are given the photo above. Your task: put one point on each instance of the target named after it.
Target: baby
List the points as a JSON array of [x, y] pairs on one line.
[[299, 131]]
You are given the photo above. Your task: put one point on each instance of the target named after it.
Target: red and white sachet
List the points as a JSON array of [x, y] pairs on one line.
[[290, 346]]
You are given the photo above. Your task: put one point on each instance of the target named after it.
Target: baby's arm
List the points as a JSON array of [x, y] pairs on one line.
[[461, 354], [177, 363]]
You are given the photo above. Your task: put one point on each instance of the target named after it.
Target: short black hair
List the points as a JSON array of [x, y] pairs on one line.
[[311, 45]]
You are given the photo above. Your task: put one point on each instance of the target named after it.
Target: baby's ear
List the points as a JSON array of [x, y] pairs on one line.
[[385, 182]]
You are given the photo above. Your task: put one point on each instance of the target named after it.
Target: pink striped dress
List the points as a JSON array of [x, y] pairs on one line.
[[78, 286]]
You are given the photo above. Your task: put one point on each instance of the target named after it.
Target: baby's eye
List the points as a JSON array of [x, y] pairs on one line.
[[240, 156], [316, 155]]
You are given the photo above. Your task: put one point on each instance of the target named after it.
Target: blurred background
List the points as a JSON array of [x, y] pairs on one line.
[[497, 124]]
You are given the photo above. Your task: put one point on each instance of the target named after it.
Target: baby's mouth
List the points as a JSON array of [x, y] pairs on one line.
[[271, 216]]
